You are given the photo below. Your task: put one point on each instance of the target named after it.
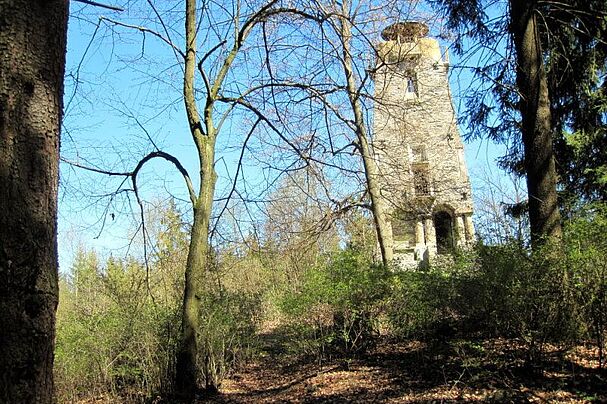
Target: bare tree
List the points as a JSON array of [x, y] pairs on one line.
[[236, 66], [330, 76], [215, 36], [384, 231]]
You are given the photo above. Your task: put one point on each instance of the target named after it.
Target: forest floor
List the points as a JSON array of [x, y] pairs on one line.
[[492, 370]]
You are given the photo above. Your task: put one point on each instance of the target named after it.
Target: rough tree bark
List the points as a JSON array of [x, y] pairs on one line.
[[544, 215], [32, 54]]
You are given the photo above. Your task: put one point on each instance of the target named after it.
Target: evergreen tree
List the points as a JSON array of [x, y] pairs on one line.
[[573, 34], [542, 75]]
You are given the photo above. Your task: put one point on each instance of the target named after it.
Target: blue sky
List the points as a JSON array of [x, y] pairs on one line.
[[122, 90]]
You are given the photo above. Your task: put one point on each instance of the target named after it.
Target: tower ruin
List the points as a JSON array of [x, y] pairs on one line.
[[418, 148]]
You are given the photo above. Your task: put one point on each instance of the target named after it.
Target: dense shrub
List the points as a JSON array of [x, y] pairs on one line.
[[586, 270], [557, 293], [118, 330], [118, 322], [227, 333], [423, 303], [112, 337], [338, 307]]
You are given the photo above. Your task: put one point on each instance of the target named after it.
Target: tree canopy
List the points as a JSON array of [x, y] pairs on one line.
[[574, 54]]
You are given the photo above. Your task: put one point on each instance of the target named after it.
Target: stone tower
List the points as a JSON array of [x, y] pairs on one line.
[[418, 148]]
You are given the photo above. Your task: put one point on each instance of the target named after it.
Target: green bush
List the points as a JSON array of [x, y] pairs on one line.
[[525, 295], [338, 307], [501, 290], [112, 337], [118, 332], [227, 333], [557, 293], [421, 302], [585, 269]]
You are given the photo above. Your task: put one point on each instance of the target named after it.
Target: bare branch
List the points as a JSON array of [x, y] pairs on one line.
[[238, 168], [96, 4], [145, 30], [133, 174]]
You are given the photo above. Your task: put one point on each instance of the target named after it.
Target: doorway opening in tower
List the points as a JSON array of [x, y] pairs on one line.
[[443, 224]]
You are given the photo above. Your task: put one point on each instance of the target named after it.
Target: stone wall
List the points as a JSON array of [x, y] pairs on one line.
[[419, 151]]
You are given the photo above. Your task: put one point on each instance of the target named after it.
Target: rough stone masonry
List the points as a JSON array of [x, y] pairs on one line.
[[418, 148]]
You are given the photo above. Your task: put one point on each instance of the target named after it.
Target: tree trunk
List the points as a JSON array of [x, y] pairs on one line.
[[32, 52], [187, 370], [544, 215], [382, 228]]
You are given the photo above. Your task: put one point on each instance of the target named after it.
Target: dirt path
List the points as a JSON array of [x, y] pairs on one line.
[[414, 372]]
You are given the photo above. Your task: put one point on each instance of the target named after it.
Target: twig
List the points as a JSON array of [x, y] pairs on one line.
[[94, 3]]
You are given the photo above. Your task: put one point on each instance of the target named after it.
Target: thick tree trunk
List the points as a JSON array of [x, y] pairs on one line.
[[32, 60], [382, 228], [544, 215]]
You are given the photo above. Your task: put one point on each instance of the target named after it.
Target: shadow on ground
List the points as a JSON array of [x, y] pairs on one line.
[[493, 370]]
